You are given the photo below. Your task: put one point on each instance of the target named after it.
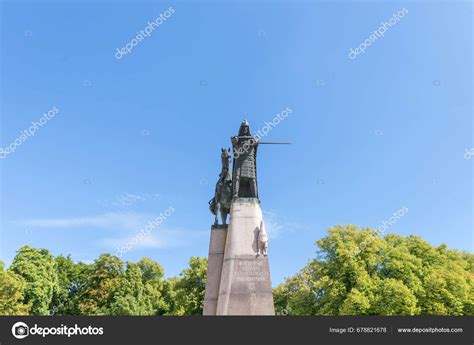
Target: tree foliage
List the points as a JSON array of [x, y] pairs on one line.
[[37, 267], [190, 288], [12, 289], [72, 278], [358, 272], [103, 279], [355, 272], [39, 284]]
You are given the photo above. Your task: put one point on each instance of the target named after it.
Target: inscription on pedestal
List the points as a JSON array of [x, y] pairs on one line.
[[251, 275], [250, 290], [250, 271]]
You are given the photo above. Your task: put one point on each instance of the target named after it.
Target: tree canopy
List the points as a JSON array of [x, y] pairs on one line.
[[12, 291], [355, 272], [37, 268], [359, 272]]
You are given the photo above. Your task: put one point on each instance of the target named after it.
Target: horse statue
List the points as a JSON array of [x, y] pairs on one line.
[[222, 199]]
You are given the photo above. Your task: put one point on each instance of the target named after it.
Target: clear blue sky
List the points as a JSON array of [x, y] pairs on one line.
[[134, 136]]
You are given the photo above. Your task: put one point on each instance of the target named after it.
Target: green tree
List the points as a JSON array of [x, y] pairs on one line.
[[130, 296], [37, 267], [169, 296], [189, 288], [357, 272], [72, 278], [141, 291], [154, 285], [103, 278], [12, 288]]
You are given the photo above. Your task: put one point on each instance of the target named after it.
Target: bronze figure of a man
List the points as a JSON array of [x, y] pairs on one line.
[[245, 163]]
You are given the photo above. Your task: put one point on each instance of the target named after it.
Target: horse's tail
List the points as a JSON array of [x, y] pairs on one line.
[[212, 205]]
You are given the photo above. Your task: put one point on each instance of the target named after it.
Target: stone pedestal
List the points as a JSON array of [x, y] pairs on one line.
[[214, 268], [245, 286]]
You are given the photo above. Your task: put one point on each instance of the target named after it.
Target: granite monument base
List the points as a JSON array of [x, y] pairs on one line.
[[245, 287], [214, 268]]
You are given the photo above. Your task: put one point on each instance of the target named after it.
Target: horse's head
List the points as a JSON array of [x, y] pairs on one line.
[[225, 157]]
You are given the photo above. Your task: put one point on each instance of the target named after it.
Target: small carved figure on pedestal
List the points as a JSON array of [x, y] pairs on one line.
[[262, 241]]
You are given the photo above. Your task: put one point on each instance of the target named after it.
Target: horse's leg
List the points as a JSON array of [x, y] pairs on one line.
[[217, 193], [214, 210], [224, 215], [218, 210]]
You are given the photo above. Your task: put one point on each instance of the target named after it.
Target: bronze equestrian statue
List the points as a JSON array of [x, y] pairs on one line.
[[242, 183], [220, 203]]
